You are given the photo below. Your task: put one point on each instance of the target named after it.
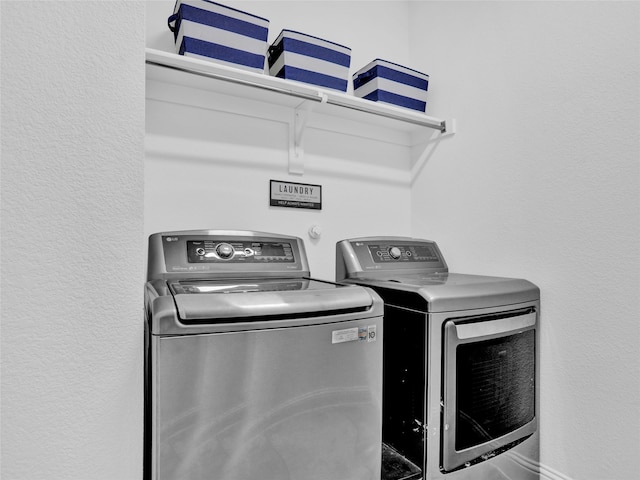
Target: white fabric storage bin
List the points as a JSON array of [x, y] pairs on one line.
[[387, 82], [211, 31], [304, 58]]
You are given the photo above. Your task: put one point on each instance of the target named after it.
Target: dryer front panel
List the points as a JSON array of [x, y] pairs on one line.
[[489, 385]]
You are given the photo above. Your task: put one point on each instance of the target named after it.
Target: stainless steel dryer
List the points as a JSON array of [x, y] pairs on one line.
[[460, 388], [253, 370]]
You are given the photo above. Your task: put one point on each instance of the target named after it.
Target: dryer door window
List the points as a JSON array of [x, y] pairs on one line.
[[489, 385], [495, 387]]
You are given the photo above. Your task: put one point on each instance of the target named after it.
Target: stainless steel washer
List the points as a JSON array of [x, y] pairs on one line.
[[253, 370], [460, 394]]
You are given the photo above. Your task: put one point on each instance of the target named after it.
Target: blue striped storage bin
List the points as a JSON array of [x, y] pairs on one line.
[[304, 58], [386, 82], [212, 31]]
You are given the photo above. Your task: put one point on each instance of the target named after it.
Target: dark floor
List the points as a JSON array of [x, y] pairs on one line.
[[396, 467]]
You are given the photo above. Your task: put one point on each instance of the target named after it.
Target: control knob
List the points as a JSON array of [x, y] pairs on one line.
[[395, 253], [225, 251]]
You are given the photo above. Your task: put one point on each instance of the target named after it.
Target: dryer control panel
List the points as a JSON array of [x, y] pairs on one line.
[[370, 256], [381, 253]]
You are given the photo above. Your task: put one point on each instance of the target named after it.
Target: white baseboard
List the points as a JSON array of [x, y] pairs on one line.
[[546, 472]]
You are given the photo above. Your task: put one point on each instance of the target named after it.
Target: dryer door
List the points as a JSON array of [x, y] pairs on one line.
[[489, 381]]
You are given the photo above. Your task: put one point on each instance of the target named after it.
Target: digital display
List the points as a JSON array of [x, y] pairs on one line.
[[425, 253], [273, 249]]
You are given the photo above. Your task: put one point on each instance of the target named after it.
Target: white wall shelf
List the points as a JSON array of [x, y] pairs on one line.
[[300, 99]]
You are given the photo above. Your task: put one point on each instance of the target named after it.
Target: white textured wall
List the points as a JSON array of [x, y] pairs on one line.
[[206, 169], [72, 249], [542, 181]]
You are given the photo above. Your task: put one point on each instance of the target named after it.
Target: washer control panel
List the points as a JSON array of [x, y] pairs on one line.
[[212, 251], [213, 254]]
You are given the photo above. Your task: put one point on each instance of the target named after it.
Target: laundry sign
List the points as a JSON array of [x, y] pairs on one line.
[[295, 195]]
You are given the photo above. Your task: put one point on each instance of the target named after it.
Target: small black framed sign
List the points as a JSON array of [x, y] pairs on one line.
[[295, 195]]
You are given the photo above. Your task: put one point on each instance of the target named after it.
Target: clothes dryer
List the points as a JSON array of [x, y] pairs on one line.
[[461, 376], [254, 370]]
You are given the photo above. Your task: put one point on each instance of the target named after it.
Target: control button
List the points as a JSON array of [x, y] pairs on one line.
[[395, 253], [200, 251], [224, 251]]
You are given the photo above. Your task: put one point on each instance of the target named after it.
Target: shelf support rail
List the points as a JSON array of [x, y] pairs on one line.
[[426, 122], [239, 81], [316, 96]]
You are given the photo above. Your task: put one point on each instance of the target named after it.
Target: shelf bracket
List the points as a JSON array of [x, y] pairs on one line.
[[297, 127], [448, 127]]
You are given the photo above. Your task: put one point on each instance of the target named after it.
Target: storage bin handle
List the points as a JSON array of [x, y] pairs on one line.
[[171, 22], [365, 75]]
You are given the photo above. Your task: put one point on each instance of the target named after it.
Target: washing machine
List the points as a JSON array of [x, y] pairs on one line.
[[253, 369], [461, 376]]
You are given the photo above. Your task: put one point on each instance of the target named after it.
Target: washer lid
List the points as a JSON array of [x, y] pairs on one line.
[[184, 287], [310, 299], [199, 306], [222, 300]]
